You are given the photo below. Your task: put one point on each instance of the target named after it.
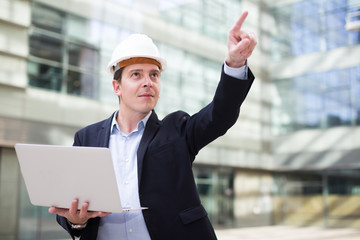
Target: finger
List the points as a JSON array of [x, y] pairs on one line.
[[247, 52], [239, 22], [244, 34], [84, 210], [242, 45], [52, 210], [74, 206], [248, 35], [253, 43], [252, 38], [252, 46], [58, 211]]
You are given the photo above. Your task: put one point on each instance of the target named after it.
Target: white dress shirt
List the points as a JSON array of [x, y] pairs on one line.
[[123, 148]]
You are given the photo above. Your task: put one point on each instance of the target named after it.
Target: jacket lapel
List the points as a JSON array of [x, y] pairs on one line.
[[104, 133], [151, 128]]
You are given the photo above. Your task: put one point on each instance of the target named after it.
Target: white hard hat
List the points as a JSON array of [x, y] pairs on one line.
[[133, 47]]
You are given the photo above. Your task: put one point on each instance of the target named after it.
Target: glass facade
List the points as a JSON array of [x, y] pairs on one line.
[[208, 17], [315, 99], [69, 53], [190, 87], [318, 100], [311, 26], [62, 59]]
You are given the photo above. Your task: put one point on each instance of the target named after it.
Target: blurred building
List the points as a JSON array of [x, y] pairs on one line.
[[292, 158]]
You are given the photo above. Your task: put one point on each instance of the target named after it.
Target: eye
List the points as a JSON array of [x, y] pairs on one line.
[[135, 74], [155, 75]]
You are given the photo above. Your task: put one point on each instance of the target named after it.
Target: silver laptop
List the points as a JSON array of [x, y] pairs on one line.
[[56, 175]]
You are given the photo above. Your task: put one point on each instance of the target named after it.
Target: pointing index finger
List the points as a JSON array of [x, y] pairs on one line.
[[240, 21]]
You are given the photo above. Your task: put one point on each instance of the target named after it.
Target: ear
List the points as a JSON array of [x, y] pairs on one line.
[[116, 87]]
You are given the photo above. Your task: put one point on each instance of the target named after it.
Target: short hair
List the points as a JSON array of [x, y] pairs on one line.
[[118, 74]]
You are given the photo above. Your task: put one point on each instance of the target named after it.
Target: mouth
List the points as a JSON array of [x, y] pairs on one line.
[[146, 95]]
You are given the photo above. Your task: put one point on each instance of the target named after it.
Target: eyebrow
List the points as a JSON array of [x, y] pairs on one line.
[[141, 70]]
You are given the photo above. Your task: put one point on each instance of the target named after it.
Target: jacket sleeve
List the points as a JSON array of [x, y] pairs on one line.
[[65, 224], [88, 233]]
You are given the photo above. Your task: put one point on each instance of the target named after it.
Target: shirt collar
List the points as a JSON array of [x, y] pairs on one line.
[[141, 123]]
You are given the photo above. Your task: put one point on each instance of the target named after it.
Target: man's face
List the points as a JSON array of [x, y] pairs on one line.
[[139, 88]]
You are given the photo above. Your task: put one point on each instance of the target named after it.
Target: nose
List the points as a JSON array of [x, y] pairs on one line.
[[148, 82]]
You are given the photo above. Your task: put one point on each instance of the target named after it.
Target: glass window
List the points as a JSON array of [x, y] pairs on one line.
[[345, 181], [313, 106], [337, 107], [84, 57], [170, 85], [170, 12], [193, 20], [355, 94], [66, 61], [47, 47], [44, 76], [312, 26], [196, 80], [85, 30], [211, 74], [354, 37], [312, 119], [83, 84], [317, 100], [211, 17], [337, 79], [47, 18], [216, 190], [111, 36]]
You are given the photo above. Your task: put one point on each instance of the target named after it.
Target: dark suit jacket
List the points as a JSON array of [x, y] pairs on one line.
[[165, 156]]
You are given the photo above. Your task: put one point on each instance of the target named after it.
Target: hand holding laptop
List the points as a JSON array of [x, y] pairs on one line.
[[75, 216]]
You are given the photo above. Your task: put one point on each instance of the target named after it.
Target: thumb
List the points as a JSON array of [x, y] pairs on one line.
[[51, 210]]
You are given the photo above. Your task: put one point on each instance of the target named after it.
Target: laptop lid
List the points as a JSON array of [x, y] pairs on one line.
[[56, 175]]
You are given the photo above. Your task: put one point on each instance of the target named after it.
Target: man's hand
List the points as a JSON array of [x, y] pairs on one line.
[[76, 216], [241, 44]]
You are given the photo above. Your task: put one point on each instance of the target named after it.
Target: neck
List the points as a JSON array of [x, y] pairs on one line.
[[128, 122]]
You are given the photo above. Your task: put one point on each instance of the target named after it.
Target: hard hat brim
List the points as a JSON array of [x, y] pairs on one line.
[[110, 67]]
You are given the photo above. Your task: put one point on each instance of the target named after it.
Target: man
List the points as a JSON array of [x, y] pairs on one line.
[[153, 158]]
